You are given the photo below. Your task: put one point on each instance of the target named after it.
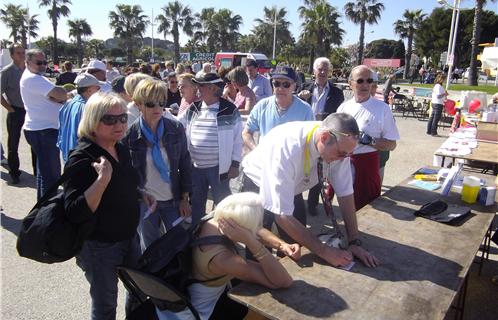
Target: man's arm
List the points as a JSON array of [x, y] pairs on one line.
[[297, 231], [58, 94], [382, 144], [348, 211], [248, 138], [7, 105]]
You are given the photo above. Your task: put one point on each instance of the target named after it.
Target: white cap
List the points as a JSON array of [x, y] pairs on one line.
[[86, 80], [96, 64]]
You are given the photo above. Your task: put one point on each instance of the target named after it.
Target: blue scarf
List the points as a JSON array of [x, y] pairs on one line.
[[155, 140]]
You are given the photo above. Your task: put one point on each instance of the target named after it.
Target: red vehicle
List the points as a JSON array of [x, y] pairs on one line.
[[234, 59]]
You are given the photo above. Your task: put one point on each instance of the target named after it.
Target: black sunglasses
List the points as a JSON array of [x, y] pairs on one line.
[[153, 104], [284, 84], [360, 81], [41, 63], [110, 119]]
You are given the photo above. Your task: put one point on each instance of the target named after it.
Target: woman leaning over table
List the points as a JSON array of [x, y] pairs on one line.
[[158, 148], [439, 94], [239, 217], [104, 192]]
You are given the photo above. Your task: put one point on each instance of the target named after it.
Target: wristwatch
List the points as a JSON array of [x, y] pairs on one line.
[[374, 142], [356, 242]]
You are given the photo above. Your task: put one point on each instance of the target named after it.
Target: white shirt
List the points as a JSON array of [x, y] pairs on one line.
[[155, 185], [438, 91], [133, 113], [374, 117], [318, 100], [41, 112], [277, 167]]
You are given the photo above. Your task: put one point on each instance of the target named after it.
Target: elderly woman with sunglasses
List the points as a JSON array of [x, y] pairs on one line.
[[103, 194], [158, 148]]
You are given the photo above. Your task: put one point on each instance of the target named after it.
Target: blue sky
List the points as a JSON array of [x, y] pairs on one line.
[[96, 13]]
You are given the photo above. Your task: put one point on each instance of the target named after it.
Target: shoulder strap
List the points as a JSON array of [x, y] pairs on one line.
[[69, 173], [207, 240]]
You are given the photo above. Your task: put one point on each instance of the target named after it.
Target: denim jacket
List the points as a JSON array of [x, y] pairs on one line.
[[175, 143]]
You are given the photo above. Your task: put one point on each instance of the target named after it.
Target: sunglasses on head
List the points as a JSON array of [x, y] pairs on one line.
[[110, 119], [285, 84], [154, 104], [41, 62], [360, 81]]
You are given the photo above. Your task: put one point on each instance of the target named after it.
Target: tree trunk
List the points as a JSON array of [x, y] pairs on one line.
[[176, 41], [408, 56], [129, 51], [312, 59], [476, 35], [55, 55], [362, 43], [80, 50]]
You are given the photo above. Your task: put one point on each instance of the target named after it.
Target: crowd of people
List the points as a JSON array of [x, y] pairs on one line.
[[152, 144]]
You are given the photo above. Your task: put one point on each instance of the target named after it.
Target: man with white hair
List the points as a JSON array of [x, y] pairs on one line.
[[378, 132], [324, 99], [42, 100]]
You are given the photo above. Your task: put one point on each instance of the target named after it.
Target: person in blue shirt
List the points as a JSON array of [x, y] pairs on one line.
[[259, 84], [71, 111], [271, 112]]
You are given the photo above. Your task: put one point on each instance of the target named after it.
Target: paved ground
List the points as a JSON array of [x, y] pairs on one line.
[[32, 290]]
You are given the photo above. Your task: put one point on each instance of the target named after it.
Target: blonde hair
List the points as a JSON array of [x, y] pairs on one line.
[[95, 108], [245, 208], [132, 80], [150, 90], [180, 68], [186, 76]]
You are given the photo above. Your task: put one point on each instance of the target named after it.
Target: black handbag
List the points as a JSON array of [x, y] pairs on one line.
[[46, 234]]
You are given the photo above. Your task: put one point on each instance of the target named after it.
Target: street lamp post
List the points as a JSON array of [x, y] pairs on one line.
[[450, 56]]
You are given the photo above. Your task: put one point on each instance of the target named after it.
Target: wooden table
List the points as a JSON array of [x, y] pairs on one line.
[[424, 264], [485, 152]]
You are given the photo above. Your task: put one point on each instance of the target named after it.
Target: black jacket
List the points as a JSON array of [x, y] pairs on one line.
[[116, 217], [333, 100]]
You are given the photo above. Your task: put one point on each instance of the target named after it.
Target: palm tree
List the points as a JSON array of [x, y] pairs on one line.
[[94, 47], [263, 31], [176, 16], [20, 23], [206, 31], [79, 28], [361, 12], [476, 36], [128, 23], [320, 27], [227, 25], [57, 8], [406, 29]]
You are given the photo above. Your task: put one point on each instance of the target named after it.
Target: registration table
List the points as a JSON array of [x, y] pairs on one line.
[[424, 265]]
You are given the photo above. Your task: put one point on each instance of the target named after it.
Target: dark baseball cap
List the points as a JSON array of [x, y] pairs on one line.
[[283, 72], [208, 78], [117, 84]]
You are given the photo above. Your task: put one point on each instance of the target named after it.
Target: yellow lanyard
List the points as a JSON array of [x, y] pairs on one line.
[[307, 156]]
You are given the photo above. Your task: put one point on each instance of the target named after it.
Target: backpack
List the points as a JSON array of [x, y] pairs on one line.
[[46, 234], [164, 270]]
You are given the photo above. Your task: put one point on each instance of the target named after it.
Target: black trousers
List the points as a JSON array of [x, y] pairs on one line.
[[269, 217], [15, 121]]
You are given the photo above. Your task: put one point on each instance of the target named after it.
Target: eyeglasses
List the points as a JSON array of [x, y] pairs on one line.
[[110, 119], [161, 104], [360, 81], [340, 153], [41, 62], [278, 84]]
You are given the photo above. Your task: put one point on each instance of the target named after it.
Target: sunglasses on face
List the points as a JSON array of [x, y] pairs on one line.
[[154, 104], [41, 62], [360, 81], [110, 119], [278, 84], [340, 153]]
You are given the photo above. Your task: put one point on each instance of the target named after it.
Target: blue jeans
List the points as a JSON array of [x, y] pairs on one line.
[[202, 179], [149, 229], [48, 163], [99, 261], [432, 124]]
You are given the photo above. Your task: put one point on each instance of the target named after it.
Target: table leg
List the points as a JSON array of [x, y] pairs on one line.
[[460, 300]]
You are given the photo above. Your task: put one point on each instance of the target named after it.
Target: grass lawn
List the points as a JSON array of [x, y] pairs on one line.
[[489, 89]]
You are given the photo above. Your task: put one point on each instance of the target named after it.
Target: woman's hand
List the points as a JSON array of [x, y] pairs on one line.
[[104, 169], [291, 250], [234, 231], [185, 208], [150, 201]]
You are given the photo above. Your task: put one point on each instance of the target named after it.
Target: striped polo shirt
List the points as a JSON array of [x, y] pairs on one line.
[[204, 147]]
